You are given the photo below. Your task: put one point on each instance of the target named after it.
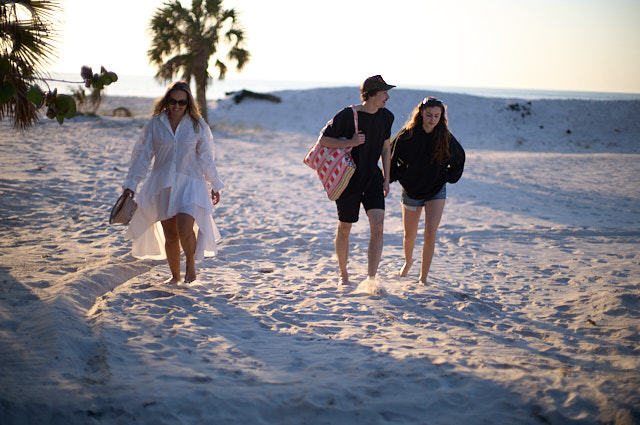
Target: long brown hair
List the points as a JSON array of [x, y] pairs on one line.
[[441, 133], [192, 107]]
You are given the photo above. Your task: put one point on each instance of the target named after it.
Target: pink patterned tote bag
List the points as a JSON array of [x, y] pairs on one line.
[[334, 166]]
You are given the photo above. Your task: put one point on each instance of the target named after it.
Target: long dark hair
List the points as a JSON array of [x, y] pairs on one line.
[[441, 133], [192, 107]]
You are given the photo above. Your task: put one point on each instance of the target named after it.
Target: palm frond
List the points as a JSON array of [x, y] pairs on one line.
[[167, 28], [222, 69], [173, 67], [212, 7], [234, 35], [27, 40], [240, 56], [27, 33], [23, 111]]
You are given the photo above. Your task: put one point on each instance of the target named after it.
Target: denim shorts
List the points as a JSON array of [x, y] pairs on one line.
[[414, 204]]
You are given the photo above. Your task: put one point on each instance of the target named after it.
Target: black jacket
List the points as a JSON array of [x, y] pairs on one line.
[[411, 164]]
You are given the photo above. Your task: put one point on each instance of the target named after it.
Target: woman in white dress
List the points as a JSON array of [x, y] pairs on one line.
[[175, 204]]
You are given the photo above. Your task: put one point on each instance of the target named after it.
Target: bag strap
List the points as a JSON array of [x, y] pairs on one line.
[[355, 121], [355, 116]]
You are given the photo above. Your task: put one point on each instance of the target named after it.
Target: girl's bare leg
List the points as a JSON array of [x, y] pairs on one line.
[[432, 215], [410, 221]]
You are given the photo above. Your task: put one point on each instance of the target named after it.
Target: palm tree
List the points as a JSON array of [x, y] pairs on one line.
[[185, 40], [26, 46]]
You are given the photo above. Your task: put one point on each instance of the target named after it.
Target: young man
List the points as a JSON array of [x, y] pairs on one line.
[[369, 185]]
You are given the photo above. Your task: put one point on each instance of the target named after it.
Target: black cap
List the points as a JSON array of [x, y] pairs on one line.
[[375, 83]]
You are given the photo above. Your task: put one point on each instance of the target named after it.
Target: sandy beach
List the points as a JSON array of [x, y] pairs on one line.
[[531, 314]]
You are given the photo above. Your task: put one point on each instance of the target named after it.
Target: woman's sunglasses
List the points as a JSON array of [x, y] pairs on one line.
[[172, 101]]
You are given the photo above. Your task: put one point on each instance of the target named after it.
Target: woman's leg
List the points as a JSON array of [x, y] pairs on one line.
[[172, 247], [432, 215], [410, 221], [188, 242]]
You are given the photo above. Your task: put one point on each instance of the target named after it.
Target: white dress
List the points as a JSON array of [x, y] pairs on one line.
[[182, 173]]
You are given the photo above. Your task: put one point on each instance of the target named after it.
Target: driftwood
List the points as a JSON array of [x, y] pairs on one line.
[[122, 112], [238, 96]]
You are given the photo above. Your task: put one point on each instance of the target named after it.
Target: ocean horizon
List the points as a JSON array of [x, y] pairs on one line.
[[147, 86]]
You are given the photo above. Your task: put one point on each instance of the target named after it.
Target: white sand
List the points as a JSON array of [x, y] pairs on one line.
[[531, 316]]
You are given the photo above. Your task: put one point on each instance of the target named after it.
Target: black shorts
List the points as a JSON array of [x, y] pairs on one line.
[[349, 205]]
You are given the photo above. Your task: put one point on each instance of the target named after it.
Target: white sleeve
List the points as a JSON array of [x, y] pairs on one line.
[[206, 158], [141, 157]]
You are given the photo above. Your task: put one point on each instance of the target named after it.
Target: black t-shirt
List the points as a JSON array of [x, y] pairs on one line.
[[376, 128]]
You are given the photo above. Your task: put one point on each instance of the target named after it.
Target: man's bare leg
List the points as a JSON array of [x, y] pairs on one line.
[[376, 224], [342, 250]]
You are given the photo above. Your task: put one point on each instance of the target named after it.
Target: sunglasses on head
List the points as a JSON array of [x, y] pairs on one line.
[[172, 101], [431, 101]]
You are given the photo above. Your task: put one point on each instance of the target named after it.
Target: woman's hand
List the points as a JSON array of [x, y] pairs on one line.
[[215, 197]]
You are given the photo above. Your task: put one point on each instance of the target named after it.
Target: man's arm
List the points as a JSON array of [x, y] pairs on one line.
[[332, 142], [386, 165]]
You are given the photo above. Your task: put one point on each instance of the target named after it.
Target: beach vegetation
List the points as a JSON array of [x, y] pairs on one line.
[[27, 46], [185, 41], [27, 38], [89, 104]]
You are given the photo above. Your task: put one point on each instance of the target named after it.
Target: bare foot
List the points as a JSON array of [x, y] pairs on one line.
[[405, 268], [343, 281], [422, 280], [190, 273], [172, 281]]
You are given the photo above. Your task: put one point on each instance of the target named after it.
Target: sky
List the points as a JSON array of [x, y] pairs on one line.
[[568, 45]]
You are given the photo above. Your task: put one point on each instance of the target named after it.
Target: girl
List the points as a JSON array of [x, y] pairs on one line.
[[425, 156]]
